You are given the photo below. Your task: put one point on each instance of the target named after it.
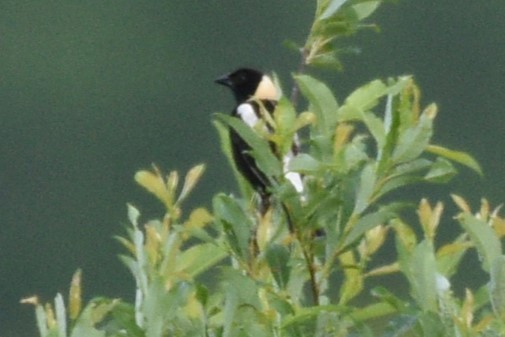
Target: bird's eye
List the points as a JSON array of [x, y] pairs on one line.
[[242, 77]]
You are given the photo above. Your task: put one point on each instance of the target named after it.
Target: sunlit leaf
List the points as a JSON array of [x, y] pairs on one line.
[[461, 203], [75, 297], [450, 255], [154, 183], [429, 217], [353, 278], [190, 180]]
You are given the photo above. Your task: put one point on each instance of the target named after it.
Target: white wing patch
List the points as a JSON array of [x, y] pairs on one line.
[[247, 113]]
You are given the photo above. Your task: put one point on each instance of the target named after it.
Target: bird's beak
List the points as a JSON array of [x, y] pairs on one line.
[[224, 80]]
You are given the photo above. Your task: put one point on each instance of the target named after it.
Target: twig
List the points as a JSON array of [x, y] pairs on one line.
[[301, 69], [312, 273]]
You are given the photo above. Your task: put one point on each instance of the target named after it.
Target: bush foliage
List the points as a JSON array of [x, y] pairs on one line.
[[230, 271]]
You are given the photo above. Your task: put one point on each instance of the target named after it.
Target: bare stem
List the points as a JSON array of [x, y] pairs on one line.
[[312, 273], [295, 91]]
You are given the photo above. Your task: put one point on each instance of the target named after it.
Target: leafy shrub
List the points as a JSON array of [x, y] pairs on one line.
[[230, 271]]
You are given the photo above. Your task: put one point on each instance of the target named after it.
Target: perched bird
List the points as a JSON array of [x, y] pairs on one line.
[[253, 89]]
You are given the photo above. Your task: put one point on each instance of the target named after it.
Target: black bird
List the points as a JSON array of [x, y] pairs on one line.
[[251, 88]]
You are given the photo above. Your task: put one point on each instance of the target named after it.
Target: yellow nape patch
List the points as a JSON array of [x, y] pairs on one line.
[[266, 89]]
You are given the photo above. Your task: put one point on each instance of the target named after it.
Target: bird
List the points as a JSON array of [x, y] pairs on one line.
[[252, 90]]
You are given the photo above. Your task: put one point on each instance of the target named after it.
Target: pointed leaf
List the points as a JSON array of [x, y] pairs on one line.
[[422, 275], [304, 163], [278, 260], [154, 183], [235, 223], [483, 237], [369, 221], [190, 180], [366, 188], [199, 258], [497, 286], [365, 9], [353, 281], [261, 151], [457, 156], [322, 103], [332, 8], [441, 171], [414, 140]]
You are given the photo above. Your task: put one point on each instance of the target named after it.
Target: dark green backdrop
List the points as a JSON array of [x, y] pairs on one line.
[[91, 91]]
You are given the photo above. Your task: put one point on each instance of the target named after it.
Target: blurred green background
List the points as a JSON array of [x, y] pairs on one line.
[[92, 91]]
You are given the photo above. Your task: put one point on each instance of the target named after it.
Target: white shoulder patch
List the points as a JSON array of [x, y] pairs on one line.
[[247, 113]]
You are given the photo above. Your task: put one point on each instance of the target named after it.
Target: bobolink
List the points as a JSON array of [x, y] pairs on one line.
[[253, 90]]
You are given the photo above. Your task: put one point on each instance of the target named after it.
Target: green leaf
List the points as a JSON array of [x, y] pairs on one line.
[[260, 148], [353, 281], [322, 103], [95, 312], [241, 296], [366, 188], [199, 258], [305, 163], [400, 326], [305, 314], [192, 177], [285, 118], [236, 224], [457, 156], [414, 140], [369, 221], [161, 304], [372, 311], [332, 8], [328, 60], [365, 9], [61, 315], [362, 99], [497, 286], [441, 171], [403, 175], [422, 275], [224, 136], [278, 260], [483, 237], [450, 255]]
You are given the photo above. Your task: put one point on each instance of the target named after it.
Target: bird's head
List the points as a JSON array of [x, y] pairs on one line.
[[246, 83]]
